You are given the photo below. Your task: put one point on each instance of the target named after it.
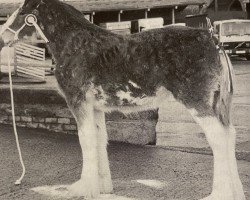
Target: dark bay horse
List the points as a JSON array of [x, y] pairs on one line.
[[98, 71]]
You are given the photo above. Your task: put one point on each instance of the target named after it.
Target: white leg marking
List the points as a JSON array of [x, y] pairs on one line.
[[88, 185], [105, 181], [226, 182]]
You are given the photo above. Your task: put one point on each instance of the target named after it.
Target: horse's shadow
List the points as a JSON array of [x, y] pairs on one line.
[[63, 192]]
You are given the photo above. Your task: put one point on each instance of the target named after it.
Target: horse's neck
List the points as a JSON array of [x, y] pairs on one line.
[[65, 42], [67, 37]]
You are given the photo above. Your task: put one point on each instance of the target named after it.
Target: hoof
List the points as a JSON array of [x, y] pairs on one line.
[[106, 186], [84, 189]]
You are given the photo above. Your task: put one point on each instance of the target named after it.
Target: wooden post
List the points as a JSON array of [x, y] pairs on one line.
[[173, 15], [92, 17], [146, 13], [119, 15], [216, 6], [200, 9], [248, 10]]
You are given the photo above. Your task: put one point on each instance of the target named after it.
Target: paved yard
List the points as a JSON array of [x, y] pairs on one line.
[[53, 159]]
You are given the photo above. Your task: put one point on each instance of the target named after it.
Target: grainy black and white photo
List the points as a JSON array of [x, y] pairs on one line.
[[124, 99]]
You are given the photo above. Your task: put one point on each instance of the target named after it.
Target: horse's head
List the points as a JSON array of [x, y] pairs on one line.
[[23, 23]]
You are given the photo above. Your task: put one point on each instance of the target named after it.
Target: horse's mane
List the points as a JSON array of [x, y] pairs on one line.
[[75, 15]]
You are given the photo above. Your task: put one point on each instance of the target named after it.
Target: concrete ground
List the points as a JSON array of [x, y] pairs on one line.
[[53, 159]]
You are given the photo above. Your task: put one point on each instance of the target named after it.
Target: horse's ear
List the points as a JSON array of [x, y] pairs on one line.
[[31, 3]]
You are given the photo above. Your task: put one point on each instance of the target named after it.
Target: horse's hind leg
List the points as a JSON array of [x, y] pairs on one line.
[[88, 185], [221, 138], [103, 162]]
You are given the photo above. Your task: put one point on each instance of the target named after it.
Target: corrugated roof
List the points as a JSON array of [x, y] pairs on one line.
[[110, 5]]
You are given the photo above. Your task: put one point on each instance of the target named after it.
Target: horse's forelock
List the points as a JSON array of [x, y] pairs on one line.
[[27, 2], [32, 3]]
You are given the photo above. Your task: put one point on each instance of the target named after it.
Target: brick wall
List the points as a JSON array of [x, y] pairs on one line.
[[136, 128], [43, 108], [58, 124]]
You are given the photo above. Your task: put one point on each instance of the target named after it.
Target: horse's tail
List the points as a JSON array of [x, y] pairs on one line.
[[223, 100]]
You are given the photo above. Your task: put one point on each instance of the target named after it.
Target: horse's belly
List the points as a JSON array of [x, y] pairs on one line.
[[127, 102]]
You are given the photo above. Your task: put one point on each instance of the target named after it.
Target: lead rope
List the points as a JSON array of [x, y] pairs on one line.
[[18, 182], [30, 20]]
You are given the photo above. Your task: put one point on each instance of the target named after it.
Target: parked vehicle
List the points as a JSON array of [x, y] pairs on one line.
[[234, 36], [199, 21]]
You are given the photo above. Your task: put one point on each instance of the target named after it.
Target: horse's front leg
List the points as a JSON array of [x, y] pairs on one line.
[[103, 162], [88, 185]]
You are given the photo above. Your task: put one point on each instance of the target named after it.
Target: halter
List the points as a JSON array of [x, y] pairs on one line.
[[30, 20]]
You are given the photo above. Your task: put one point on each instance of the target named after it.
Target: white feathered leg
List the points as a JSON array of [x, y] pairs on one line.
[[105, 181], [88, 185], [237, 185], [226, 182]]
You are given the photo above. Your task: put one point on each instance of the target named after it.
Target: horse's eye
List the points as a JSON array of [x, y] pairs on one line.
[[35, 12]]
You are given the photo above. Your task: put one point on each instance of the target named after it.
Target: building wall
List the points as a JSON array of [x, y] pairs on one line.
[[165, 13], [225, 9]]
